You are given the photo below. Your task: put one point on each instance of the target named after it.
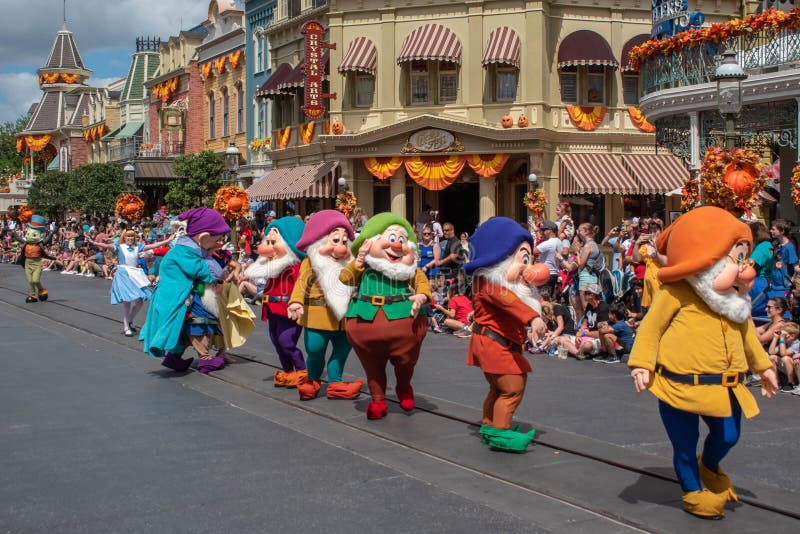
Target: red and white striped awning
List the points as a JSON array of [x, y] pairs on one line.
[[585, 47], [656, 173], [431, 41], [270, 87], [503, 47], [361, 56], [625, 60], [305, 181], [594, 174]]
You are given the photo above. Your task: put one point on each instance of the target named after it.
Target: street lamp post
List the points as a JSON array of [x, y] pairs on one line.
[[129, 176], [729, 77], [342, 182], [532, 179], [231, 170]]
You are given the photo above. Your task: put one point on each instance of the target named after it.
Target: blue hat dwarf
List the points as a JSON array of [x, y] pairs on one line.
[[494, 241]]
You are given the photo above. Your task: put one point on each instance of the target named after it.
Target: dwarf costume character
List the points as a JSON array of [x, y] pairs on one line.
[[695, 345], [319, 302], [278, 263], [382, 321], [183, 309], [505, 304], [31, 257]]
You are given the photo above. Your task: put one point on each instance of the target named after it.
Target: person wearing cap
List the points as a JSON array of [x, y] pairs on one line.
[[587, 338], [278, 263], [319, 302], [383, 322], [505, 305], [182, 310], [548, 251], [31, 256], [694, 347]]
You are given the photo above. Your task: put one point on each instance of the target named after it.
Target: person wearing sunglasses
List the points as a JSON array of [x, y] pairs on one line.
[[429, 253]]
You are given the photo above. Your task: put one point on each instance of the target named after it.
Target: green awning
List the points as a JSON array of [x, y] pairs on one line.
[[113, 133], [130, 129], [53, 164]]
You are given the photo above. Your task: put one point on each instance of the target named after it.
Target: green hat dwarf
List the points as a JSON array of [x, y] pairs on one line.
[[377, 224], [290, 228]]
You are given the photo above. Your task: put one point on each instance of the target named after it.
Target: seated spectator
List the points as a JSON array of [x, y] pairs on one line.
[[458, 312], [559, 324], [784, 353], [429, 309], [616, 337], [587, 340], [776, 308]]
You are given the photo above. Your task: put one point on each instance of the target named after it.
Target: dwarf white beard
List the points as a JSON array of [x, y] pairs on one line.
[[497, 275], [395, 271], [326, 269], [269, 269], [209, 300], [730, 305]]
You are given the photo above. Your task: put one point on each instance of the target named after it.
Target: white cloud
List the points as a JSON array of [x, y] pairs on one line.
[[18, 90]]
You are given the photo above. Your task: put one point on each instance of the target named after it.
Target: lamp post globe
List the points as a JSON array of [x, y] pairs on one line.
[[232, 159], [729, 77], [129, 176], [342, 181], [532, 179]]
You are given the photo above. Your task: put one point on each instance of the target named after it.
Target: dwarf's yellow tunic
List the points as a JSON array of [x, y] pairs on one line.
[[682, 334], [308, 292]]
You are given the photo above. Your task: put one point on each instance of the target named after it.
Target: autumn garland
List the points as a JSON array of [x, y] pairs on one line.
[[129, 207], [346, 202], [716, 33], [231, 201], [716, 191], [536, 201], [796, 184]]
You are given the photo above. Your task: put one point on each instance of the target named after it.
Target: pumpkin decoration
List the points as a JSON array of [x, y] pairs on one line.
[[536, 201], [129, 207], [346, 202], [337, 127], [231, 201], [741, 180], [506, 121], [24, 214], [522, 121]]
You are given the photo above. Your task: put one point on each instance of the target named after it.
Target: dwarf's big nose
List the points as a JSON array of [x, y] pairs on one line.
[[339, 251], [397, 246], [748, 274]]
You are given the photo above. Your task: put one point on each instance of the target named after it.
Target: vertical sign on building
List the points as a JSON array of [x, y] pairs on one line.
[[314, 69]]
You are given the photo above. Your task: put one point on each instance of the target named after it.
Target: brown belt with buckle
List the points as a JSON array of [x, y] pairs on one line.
[[723, 379], [315, 302], [494, 336], [379, 300]]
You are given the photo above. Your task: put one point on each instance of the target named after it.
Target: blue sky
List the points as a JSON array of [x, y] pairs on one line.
[[104, 30]]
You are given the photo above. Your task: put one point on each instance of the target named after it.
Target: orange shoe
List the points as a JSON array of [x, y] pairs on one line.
[[377, 410], [705, 503], [309, 389], [280, 379], [295, 378], [345, 390], [716, 482]]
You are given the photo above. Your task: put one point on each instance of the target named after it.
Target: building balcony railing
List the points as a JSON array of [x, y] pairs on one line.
[[758, 51], [134, 147]]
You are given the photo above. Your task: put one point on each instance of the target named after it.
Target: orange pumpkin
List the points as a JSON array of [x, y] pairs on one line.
[[522, 121], [337, 128], [506, 121], [741, 181], [235, 203]]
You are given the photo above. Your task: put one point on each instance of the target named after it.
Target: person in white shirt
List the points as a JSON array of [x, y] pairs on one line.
[[548, 251]]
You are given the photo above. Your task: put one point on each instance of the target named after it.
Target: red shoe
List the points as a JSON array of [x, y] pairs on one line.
[[309, 389], [345, 390], [406, 398], [377, 410]]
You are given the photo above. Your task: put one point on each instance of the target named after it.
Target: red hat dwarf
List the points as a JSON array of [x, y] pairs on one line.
[[699, 239], [321, 224]]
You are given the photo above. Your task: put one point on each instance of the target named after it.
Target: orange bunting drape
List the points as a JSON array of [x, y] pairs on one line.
[[205, 70], [434, 172], [306, 132], [34, 142], [20, 145], [383, 168], [487, 165], [234, 58], [586, 118], [48, 78], [639, 120], [70, 78], [165, 90], [283, 136], [219, 63]]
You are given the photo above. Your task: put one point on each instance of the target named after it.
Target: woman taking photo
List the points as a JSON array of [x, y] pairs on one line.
[[590, 261]]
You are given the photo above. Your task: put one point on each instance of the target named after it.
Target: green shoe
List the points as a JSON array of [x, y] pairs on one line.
[[506, 439]]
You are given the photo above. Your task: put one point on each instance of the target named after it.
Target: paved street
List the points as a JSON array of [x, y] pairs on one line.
[[98, 437]]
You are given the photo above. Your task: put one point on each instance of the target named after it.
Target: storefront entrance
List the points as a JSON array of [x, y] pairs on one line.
[[458, 204]]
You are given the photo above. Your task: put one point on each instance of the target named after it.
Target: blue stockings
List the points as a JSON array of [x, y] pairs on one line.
[[317, 344], [683, 429]]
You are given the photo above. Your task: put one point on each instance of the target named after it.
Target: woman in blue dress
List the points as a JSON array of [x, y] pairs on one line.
[[429, 253], [130, 286]]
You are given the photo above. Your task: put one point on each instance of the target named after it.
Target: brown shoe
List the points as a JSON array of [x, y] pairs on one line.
[[716, 482], [705, 503], [345, 390]]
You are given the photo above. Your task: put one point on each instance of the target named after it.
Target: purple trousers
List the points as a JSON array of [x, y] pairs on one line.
[[284, 333]]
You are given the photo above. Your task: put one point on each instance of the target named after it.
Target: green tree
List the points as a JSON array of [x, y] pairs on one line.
[[47, 193], [94, 188], [10, 161], [199, 177]]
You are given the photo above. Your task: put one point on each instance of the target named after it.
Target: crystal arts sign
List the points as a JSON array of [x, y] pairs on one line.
[[314, 70]]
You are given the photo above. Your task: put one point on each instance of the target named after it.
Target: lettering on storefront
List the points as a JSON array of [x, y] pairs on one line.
[[314, 70], [432, 140], [672, 16]]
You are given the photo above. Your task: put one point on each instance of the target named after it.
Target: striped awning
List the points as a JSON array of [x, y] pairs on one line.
[[656, 173], [270, 87], [361, 56], [431, 41], [585, 47], [601, 174], [305, 181], [625, 60], [503, 47]]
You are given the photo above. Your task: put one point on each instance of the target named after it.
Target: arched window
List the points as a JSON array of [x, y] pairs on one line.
[[584, 59], [239, 108], [225, 112], [501, 59], [433, 80], [211, 113]]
